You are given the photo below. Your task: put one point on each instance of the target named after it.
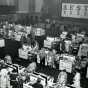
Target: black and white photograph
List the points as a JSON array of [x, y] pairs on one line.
[[43, 43]]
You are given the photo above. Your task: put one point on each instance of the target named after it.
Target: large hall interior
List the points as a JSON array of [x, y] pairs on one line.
[[43, 43]]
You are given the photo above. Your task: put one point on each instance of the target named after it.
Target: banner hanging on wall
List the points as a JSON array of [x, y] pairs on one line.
[[74, 10]]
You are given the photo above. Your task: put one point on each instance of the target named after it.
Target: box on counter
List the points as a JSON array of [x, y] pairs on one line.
[[50, 39], [47, 44], [69, 57], [2, 43], [65, 65], [28, 29], [18, 27], [39, 32], [51, 42]]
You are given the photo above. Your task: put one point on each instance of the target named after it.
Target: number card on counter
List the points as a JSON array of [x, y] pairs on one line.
[[62, 65], [47, 44], [2, 43], [69, 66], [39, 32], [65, 65]]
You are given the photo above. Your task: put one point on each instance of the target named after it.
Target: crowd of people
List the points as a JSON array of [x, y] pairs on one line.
[[55, 49]]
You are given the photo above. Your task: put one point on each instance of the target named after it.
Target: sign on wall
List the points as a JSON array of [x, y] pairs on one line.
[[74, 10]]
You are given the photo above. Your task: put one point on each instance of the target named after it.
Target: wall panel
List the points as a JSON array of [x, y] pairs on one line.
[[38, 5], [26, 6], [23, 6]]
